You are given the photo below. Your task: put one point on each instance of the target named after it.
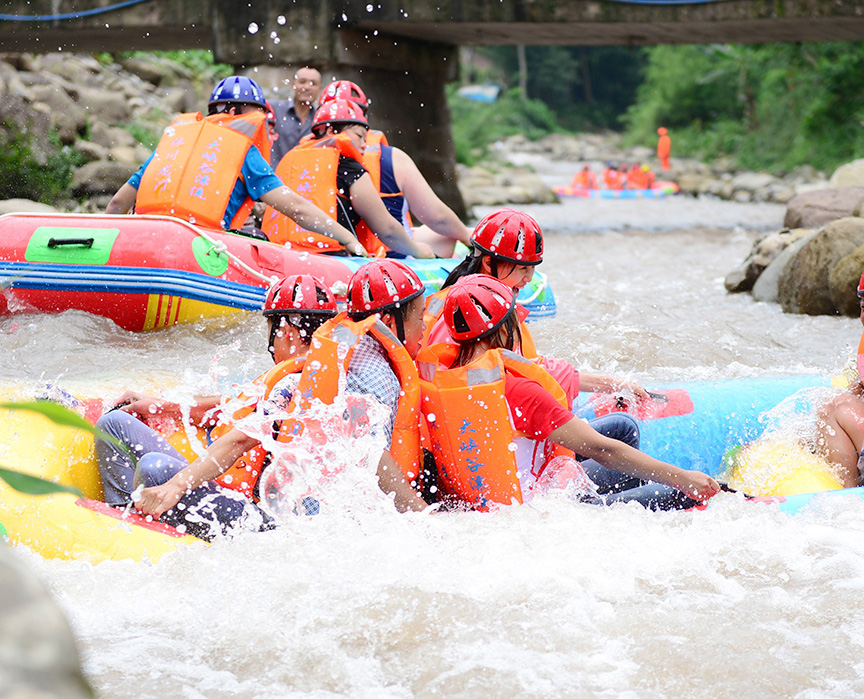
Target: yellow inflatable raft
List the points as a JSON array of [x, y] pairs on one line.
[[62, 525]]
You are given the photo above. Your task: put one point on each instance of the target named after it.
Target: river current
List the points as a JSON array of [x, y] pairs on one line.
[[551, 599]]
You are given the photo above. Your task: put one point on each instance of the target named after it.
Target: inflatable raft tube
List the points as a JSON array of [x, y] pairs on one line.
[[150, 272], [658, 191], [705, 426], [62, 525]]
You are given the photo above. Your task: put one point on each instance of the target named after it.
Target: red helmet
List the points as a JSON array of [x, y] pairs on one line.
[[381, 285], [337, 112], [300, 293], [476, 307], [344, 90], [510, 235]]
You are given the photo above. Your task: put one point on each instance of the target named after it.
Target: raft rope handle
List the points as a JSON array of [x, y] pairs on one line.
[[220, 247]]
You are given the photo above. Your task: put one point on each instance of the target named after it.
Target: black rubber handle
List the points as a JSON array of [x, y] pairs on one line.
[[56, 242]]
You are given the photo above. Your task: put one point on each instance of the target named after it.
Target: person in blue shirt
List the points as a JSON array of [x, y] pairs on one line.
[[235, 96]]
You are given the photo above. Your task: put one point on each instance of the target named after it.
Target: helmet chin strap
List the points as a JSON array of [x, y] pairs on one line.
[[275, 326]]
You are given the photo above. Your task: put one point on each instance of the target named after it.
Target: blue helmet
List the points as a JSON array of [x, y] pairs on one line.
[[238, 89]]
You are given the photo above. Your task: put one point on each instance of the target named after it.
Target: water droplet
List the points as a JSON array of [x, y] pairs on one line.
[[369, 8], [281, 20], [253, 28]]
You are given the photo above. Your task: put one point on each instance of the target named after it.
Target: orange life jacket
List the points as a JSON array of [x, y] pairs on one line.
[[471, 433], [197, 164], [435, 309], [310, 170], [243, 475], [584, 178], [320, 380], [372, 155], [860, 358]]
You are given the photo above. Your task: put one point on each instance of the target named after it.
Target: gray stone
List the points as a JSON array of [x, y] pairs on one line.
[[100, 177], [111, 136], [67, 118], [38, 653], [848, 175], [104, 105], [804, 284], [766, 287], [816, 208], [12, 206], [843, 283], [751, 181], [91, 151], [762, 254]]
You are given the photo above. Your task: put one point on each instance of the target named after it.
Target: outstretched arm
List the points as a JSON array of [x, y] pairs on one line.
[[579, 436], [123, 201], [305, 213], [368, 204], [146, 407], [605, 382], [423, 201]]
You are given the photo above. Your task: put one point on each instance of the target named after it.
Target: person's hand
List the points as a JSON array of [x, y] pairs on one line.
[[699, 486], [423, 250], [158, 499], [637, 389], [355, 248], [147, 407]]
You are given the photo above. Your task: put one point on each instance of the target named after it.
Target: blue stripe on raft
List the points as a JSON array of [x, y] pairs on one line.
[[133, 280]]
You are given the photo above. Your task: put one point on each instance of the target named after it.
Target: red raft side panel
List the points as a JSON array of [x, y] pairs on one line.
[[142, 272]]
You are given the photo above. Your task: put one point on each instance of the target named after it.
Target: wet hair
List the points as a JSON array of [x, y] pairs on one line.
[[398, 312], [508, 337], [306, 323], [472, 265]]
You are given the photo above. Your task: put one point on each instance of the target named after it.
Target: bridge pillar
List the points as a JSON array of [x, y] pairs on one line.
[[403, 78]]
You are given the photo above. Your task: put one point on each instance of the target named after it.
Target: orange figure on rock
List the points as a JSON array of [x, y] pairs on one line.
[[664, 147]]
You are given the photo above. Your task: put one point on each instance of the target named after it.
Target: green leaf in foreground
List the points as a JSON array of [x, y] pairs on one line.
[[33, 485], [61, 415]]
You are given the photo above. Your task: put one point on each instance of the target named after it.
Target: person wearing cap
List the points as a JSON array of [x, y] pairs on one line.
[[374, 342], [400, 184], [211, 170], [295, 308], [327, 167], [525, 436], [293, 116]]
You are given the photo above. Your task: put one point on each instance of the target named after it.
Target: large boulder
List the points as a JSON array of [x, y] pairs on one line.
[[804, 284], [848, 175], [67, 118], [843, 283], [763, 254], [816, 208], [101, 177], [13, 206], [105, 105], [38, 654], [111, 136], [766, 288]]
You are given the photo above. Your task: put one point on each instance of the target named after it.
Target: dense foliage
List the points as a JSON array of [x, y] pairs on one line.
[[23, 176], [774, 106]]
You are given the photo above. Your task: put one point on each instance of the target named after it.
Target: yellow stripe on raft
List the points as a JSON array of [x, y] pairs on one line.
[[164, 311]]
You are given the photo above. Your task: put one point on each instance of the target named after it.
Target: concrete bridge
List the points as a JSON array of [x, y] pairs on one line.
[[403, 52]]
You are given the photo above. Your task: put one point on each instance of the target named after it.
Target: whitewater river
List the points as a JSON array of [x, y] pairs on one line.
[[547, 600]]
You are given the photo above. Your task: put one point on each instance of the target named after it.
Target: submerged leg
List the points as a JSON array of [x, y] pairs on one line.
[[624, 428], [841, 435]]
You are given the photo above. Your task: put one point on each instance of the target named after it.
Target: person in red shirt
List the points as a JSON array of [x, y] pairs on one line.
[[480, 312]]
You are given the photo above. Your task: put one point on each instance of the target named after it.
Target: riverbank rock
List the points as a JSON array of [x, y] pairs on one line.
[[814, 209], [11, 206], [493, 184], [766, 288], [764, 251], [804, 283], [38, 654], [843, 283], [848, 175], [101, 177]]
